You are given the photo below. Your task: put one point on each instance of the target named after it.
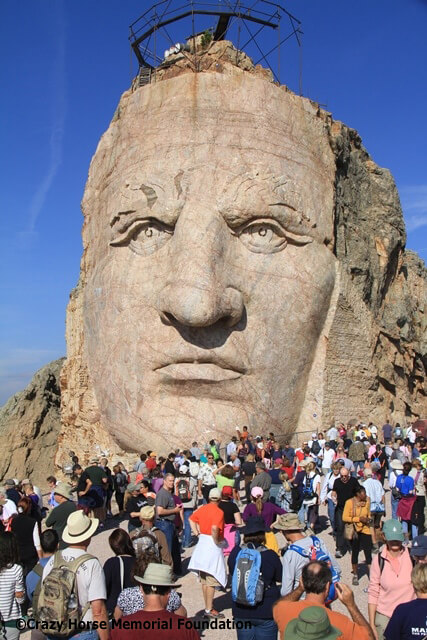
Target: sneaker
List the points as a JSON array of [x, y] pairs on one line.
[[339, 554], [355, 581], [213, 613]]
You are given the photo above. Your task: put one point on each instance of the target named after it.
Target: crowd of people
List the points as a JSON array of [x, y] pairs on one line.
[[249, 512]]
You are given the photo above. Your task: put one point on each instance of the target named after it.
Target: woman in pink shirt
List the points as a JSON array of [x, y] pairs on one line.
[[390, 579]]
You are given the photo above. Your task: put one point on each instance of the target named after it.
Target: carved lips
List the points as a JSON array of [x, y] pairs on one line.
[[199, 371]]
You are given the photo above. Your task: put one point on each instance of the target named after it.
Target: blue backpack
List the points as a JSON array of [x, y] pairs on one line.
[[247, 585], [316, 553]]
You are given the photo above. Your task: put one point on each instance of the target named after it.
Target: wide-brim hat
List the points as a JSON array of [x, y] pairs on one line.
[[157, 575], [312, 624], [62, 489], [396, 464], [79, 527], [288, 522], [255, 524]]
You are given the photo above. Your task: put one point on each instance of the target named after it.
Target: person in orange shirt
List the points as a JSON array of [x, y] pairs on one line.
[[207, 524], [316, 580]]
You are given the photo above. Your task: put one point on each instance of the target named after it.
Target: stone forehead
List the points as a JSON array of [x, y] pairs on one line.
[[216, 136]]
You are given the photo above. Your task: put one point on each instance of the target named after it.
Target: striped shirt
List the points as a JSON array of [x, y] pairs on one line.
[[11, 581]]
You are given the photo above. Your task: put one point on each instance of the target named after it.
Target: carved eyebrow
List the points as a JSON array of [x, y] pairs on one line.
[[287, 215]]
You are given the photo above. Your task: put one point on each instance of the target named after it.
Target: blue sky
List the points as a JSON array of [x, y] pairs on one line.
[[65, 64]]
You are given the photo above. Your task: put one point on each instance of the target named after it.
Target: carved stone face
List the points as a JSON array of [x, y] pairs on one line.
[[207, 213]]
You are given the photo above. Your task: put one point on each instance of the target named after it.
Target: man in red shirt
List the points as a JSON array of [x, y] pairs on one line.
[[151, 462], [154, 622], [207, 523]]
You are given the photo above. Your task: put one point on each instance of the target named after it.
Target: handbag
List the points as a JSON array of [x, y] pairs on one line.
[[349, 529]]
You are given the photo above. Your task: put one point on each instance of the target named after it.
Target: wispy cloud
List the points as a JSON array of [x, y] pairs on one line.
[[414, 204], [56, 133]]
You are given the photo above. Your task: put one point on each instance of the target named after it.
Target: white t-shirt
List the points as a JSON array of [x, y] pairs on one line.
[[332, 433], [328, 458], [90, 578], [9, 509]]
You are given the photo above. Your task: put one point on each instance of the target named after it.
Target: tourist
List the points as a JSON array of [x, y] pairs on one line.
[[170, 464], [12, 589], [356, 453], [7, 509], [12, 492], [326, 493], [378, 461], [231, 447], [236, 465], [26, 531], [32, 491], [207, 524], [357, 512], [327, 458], [120, 484], [195, 451], [288, 452], [35, 504], [332, 433], [225, 477], [151, 462], [406, 486], [57, 519], [390, 578], [408, 621], [248, 471], [138, 498], [232, 519], [284, 495], [311, 494], [263, 627], [186, 490], [165, 519], [90, 578], [267, 510], [344, 488], [109, 485], [387, 430], [276, 482], [419, 549], [85, 500], [157, 622], [396, 468], [49, 544], [206, 478], [417, 519], [140, 467], [117, 570], [98, 489], [51, 481], [375, 492], [148, 537], [298, 551], [315, 581], [262, 479]]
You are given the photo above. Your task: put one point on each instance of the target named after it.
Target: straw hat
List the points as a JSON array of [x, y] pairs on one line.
[[63, 490], [147, 512], [79, 528], [157, 575], [288, 522]]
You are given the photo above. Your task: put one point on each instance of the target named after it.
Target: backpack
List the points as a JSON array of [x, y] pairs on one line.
[[58, 599], [183, 489], [296, 499], [315, 447], [307, 492], [247, 585], [38, 570], [194, 469], [316, 553]]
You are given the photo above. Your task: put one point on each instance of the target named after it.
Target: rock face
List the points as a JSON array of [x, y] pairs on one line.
[[30, 423], [243, 263]]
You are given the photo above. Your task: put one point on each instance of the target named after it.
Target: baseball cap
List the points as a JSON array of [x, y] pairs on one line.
[[257, 492], [214, 494], [392, 530], [419, 546]]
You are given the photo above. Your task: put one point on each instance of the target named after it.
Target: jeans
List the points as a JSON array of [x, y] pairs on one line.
[[357, 464], [394, 504], [187, 535], [340, 540], [414, 528], [331, 512], [259, 629], [168, 528]]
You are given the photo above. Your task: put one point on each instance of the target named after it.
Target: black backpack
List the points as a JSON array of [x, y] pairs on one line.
[[315, 447]]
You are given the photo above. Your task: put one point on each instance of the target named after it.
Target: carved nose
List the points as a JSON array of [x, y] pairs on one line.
[[199, 306]]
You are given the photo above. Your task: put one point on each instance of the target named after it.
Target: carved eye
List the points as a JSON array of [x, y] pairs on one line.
[[144, 237], [263, 236]]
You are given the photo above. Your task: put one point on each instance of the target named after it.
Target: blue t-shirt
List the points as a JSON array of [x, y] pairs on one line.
[[408, 622], [405, 484], [32, 579]]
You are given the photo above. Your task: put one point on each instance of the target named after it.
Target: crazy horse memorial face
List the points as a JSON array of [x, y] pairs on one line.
[[208, 215]]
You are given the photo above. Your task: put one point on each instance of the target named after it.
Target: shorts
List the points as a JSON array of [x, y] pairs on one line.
[[376, 518], [208, 580]]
